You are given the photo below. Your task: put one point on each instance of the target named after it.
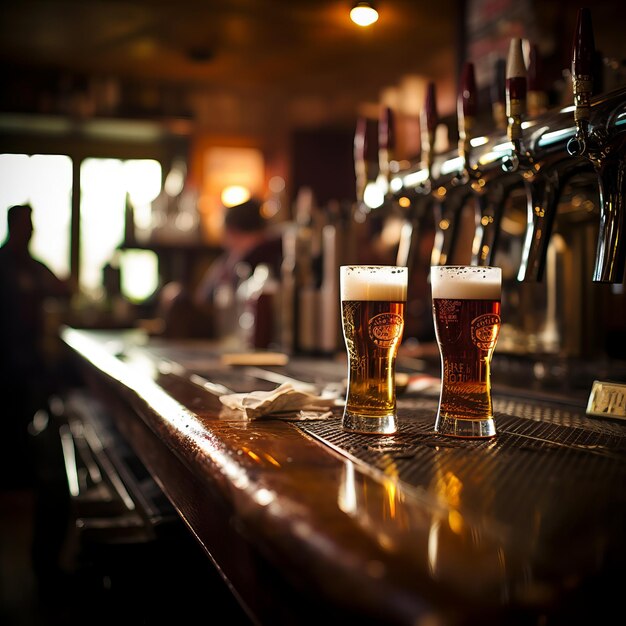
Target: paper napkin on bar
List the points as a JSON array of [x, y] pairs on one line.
[[283, 401]]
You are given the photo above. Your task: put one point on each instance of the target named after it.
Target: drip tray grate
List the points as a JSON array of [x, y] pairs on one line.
[[537, 457]]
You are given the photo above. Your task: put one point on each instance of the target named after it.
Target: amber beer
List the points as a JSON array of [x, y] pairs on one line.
[[466, 310], [372, 314]]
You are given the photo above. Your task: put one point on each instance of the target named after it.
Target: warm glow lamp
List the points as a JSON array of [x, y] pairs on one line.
[[363, 14]]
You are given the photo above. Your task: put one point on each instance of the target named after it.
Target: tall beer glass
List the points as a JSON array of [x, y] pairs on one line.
[[466, 310], [372, 315]]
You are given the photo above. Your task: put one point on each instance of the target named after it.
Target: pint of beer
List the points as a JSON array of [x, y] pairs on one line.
[[372, 314], [466, 310]]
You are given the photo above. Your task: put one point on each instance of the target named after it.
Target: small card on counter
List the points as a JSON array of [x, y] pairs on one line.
[[607, 399], [255, 358]]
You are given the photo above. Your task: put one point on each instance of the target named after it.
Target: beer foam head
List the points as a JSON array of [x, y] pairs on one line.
[[373, 282], [463, 282]]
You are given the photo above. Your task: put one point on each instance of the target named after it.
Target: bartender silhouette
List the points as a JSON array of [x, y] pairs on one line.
[[25, 377], [248, 241]]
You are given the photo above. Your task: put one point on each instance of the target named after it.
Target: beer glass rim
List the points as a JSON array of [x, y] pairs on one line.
[[375, 266], [461, 266], [466, 281], [373, 282]]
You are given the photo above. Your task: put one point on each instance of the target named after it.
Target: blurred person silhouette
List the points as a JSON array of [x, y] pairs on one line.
[[26, 374], [249, 240]]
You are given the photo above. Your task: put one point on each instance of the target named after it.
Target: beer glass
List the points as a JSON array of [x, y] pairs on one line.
[[372, 315], [466, 311]]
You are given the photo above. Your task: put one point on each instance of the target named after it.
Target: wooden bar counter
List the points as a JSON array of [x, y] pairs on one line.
[[309, 524]]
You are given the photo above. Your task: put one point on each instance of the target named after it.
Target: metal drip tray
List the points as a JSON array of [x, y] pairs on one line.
[[542, 455]]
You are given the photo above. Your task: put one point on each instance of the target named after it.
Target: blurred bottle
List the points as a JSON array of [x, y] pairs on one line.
[[130, 237], [229, 303], [288, 300], [259, 315], [329, 314], [297, 277], [175, 215]]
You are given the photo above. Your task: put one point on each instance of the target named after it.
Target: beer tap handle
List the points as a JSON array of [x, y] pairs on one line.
[[428, 124], [360, 157], [429, 120], [498, 91], [583, 52], [386, 144], [515, 102], [386, 134], [466, 111]]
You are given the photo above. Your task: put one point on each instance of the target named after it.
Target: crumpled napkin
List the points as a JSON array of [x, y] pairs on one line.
[[285, 399]]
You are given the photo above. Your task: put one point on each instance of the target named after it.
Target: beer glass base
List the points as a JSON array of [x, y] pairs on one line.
[[384, 425], [467, 428]]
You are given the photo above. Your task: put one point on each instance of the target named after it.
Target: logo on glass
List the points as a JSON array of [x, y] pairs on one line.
[[484, 331], [384, 328]]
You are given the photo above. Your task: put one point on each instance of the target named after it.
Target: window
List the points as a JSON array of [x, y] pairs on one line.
[[106, 185], [45, 182]]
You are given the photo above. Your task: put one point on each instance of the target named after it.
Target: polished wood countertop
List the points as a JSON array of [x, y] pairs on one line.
[[414, 528]]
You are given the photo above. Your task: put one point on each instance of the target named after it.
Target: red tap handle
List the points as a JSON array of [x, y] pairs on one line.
[[430, 117], [429, 121], [466, 112], [515, 89], [386, 130], [467, 102], [360, 146]]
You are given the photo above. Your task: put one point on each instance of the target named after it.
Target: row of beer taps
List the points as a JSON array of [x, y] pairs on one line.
[[539, 154]]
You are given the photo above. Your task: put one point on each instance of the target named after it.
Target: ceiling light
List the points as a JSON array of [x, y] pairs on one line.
[[363, 14]]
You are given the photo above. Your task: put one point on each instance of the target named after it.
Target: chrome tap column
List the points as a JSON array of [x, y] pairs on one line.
[[602, 140]]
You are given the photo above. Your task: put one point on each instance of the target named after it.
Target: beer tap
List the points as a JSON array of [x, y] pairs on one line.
[[543, 178], [516, 87], [360, 158], [420, 198], [583, 51], [491, 186], [451, 192], [429, 119], [386, 147], [487, 214], [416, 246], [604, 145], [466, 112], [486, 186]]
